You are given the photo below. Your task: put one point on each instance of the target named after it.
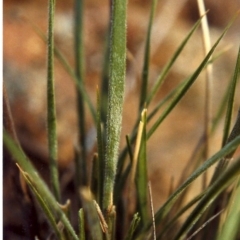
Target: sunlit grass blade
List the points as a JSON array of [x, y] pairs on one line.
[[147, 53], [141, 174], [40, 185], [230, 228], [168, 66], [51, 108], [117, 71], [79, 70], [214, 190], [185, 87], [231, 100]]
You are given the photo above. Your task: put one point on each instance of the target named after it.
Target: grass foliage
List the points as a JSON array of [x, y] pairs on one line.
[[121, 177]]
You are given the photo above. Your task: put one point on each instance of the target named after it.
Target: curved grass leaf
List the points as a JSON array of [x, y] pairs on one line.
[[186, 86], [39, 184], [168, 66], [214, 190], [170, 224], [162, 212], [42, 203]]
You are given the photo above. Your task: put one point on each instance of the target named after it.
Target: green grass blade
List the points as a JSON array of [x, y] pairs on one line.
[[168, 66], [230, 228], [43, 205], [62, 59], [94, 184], [100, 147], [161, 213], [116, 92], [141, 175], [165, 100], [224, 162], [81, 225], [214, 190], [105, 80], [133, 226], [231, 100], [145, 71], [79, 69], [51, 116], [91, 214], [40, 185], [170, 224], [186, 86]]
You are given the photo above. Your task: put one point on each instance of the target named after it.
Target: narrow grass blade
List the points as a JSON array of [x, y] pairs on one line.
[[186, 86], [223, 163], [8, 122], [79, 70], [230, 229], [40, 185], [145, 71], [214, 190], [231, 100], [81, 225], [94, 184], [100, 147], [168, 66], [152, 211], [42, 203], [170, 224], [52, 132], [141, 175], [161, 213], [133, 226], [132, 138], [165, 100], [62, 59], [116, 92]]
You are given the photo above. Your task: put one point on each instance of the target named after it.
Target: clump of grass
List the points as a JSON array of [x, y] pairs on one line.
[[102, 214]]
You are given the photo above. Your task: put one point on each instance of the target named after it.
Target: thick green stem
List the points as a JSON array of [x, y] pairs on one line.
[[116, 92]]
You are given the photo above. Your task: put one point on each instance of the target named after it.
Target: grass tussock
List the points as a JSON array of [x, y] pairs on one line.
[[116, 201]]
